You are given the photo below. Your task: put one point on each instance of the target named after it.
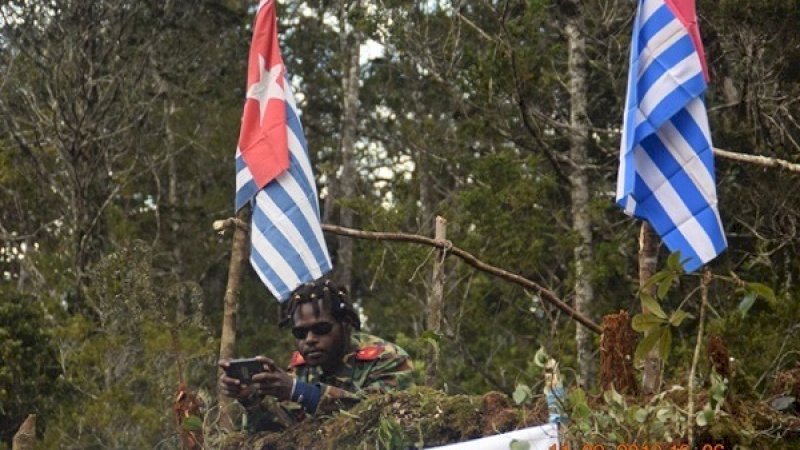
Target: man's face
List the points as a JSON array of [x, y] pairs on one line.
[[323, 341]]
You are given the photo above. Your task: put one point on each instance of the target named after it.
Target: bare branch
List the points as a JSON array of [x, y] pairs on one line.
[[763, 161], [470, 259]]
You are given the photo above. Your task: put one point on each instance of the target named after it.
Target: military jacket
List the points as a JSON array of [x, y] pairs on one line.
[[371, 366]]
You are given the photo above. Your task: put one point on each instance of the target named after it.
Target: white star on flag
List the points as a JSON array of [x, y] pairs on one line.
[[267, 87]]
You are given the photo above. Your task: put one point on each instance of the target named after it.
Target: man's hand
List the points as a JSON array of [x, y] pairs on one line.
[[273, 381], [235, 388]]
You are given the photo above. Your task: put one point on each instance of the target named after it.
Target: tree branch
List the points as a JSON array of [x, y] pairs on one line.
[[763, 161], [470, 259]]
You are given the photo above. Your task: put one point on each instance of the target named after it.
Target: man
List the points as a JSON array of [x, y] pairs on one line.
[[334, 368]]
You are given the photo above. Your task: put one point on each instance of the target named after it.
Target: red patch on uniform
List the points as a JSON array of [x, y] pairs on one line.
[[297, 360], [369, 353]]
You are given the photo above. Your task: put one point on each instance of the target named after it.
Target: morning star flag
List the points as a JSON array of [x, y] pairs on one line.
[[666, 173], [273, 171]]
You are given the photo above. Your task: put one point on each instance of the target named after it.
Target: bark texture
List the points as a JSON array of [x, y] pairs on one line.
[[579, 180], [648, 260], [227, 342], [436, 302], [351, 42]]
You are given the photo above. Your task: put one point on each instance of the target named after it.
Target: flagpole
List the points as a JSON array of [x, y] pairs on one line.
[[227, 341]]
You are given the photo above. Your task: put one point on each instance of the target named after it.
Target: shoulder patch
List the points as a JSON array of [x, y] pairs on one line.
[[369, 353], [297, 360]]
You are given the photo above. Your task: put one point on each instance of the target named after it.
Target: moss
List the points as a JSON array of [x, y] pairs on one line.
[[417, 417], [422, 417]]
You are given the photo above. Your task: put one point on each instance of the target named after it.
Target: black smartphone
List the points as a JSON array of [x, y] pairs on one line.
[[244, 369]]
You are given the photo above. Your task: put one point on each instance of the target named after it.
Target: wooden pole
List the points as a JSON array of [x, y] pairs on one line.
[[696, 356], [25, 437], [227, 343], [470, 259], [436, 302], [648, 260]]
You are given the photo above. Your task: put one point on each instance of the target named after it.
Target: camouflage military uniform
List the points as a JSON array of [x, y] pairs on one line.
[[371, 366]]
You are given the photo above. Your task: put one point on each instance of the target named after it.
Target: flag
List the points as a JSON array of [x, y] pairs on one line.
[[666, 172], [273, 171]]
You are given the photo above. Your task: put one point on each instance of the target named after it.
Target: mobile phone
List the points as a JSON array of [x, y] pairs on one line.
[[243, 369]]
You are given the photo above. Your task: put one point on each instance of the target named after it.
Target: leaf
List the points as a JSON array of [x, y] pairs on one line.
[[581, 411], [663, 414], [647, 344], [674, 262], [747, 303], [540, 358], [654, 279], [192, 423], [762, 290], [432, 338], [519, 445], [782, 403], [678, 317], [640, 415], [700, 418], [577, 396], [612, 397], [347, 413], [664, 285], [645, 322], [649, 304], [708, 413], [665, 343], [431, 335], [521, 394]]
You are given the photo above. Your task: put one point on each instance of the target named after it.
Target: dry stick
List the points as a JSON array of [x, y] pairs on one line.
[[25, 437], [436, 302], [228, 339], [472, 261], [763, 161], [703, 302], [648, 262]]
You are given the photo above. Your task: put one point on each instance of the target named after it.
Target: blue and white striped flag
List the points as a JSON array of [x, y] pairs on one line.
[[666, 173], [274, 173]]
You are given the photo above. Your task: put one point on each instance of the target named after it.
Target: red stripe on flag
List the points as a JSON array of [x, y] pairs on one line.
[[686, 12], [263, 138]]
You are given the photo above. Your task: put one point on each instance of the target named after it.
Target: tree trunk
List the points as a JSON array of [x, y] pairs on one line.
[[436, 303], [581, 221], [648, 260], [347, 183]]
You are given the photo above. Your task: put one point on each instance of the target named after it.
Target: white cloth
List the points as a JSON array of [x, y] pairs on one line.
[[540, 438]]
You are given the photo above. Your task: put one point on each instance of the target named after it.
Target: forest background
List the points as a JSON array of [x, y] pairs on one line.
[[118, 125]]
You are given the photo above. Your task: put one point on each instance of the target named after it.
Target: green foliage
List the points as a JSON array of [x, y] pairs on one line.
[[390, 434], [621, 420], [120, 366], [654, 322], [716, 398], [29, 370]]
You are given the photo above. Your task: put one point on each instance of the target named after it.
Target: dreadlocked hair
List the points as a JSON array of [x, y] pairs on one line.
[[322, 292]]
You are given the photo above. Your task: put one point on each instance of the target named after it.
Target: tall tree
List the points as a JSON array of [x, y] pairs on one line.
[[351, 40], [579, 182]]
